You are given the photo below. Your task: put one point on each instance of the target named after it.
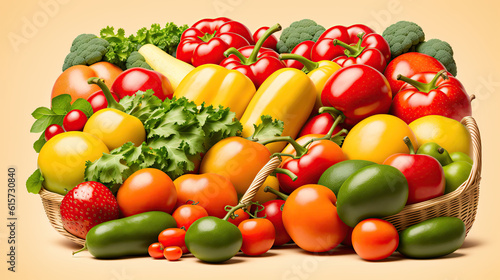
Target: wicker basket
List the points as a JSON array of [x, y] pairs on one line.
[[461, 203]]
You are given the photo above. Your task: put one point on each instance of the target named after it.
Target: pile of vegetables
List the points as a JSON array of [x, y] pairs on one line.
[[169, 127]]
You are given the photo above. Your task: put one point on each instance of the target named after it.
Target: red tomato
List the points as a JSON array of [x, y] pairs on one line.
[[258, 236], [212, 192], [73, 81], [241, 216], [155, 250], [374, 239], [74, 120], [134, 79], [173, 237], [187, 214], [311, 219], [98, 101], [172, 253], [146, 190], [273, 212], [52, 131]]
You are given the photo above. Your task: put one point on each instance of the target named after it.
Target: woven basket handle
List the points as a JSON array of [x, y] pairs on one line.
[[259, 179], [475, 174]]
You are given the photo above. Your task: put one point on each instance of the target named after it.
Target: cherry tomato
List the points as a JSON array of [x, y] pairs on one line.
[[52, 131], [98, 101], [146, 190], [212, 192], [172, 253], [155, 250], [258, 236], [173, 237], [273, 212], [187, 214], [310, 217], [134, 79], [374, 239], [74, 120], [241, 216]]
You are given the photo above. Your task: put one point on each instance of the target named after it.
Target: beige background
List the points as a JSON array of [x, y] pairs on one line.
[[30, 68]]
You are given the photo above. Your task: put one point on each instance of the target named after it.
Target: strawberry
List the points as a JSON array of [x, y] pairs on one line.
[[87, 205]]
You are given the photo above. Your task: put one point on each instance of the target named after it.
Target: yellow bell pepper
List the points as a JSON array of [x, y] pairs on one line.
[[319, 72], [288, 95], [216, 85]]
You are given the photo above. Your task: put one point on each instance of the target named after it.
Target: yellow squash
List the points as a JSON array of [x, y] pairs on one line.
[[319, 72], [288, 95], [216, 85]]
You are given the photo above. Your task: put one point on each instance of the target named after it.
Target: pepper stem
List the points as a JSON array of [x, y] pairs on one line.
[[299, 150], [424, 87], [286, 172], [81, 250], [308, 64], [109, 98], [253, 56], [205, 38], [277, 193], [237, 53], [409, 145], [351, 51]]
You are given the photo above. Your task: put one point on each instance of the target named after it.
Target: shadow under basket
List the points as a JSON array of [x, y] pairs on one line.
[[461, 203]]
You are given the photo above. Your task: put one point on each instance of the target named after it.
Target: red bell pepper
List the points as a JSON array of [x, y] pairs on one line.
[[208, 39], [325, 49], [431, 93], [319, 124], [255, 62], [424, 174], [359, 91], [359, 54], [303, 49]]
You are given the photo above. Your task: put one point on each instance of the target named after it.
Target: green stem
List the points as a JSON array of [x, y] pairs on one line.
[[330, 110], [308, 64], [286, 172], [207, 36], [81, 250], [277, 193], [351, 51], [409, 145], [299, 150], [339, 117], [232, 210], [109, 98], [255, 52], [238, 54], [424, 87]]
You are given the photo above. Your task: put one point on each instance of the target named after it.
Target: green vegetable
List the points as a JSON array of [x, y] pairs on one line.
[[61, 105], [137, 60], [432, 238], [403, 36], [86, 49], [214, 240], [130, 236], [455, 174], [374, 191], [441, 51], [121, 46], [297, 32], [177, 132], [336, 175]]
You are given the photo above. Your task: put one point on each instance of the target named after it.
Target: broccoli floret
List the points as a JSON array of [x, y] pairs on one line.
[[441, 51], [402, 36], [86, 49], [298, 32], [137, 60]]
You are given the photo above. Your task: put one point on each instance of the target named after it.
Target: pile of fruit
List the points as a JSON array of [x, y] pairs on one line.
[[154, 138]]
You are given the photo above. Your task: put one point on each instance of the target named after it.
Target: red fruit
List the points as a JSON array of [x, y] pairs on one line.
[[173, 237], [258, 236], [74, 120], [241, 216], [98, 101], [52, 131], [319, 124], [269, 42], [273, 211], [135, 79], [187, 214], [155, 250], [87, 205], [172, 253], [374, 239], [303, 49], [409, 64]]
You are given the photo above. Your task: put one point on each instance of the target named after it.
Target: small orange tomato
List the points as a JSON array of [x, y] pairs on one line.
[[310, 218], [73, 81], [258, 236], [146, 190], [211, 191], [172, 253], [155, 250], [173, 237], [236, 158], [185, 215], [374, 239], [241, 216]]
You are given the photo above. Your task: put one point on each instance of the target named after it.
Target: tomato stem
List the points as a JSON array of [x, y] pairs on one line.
[[300, 150], [286, 172], [109, 98], [231, 211], [277, 193]]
